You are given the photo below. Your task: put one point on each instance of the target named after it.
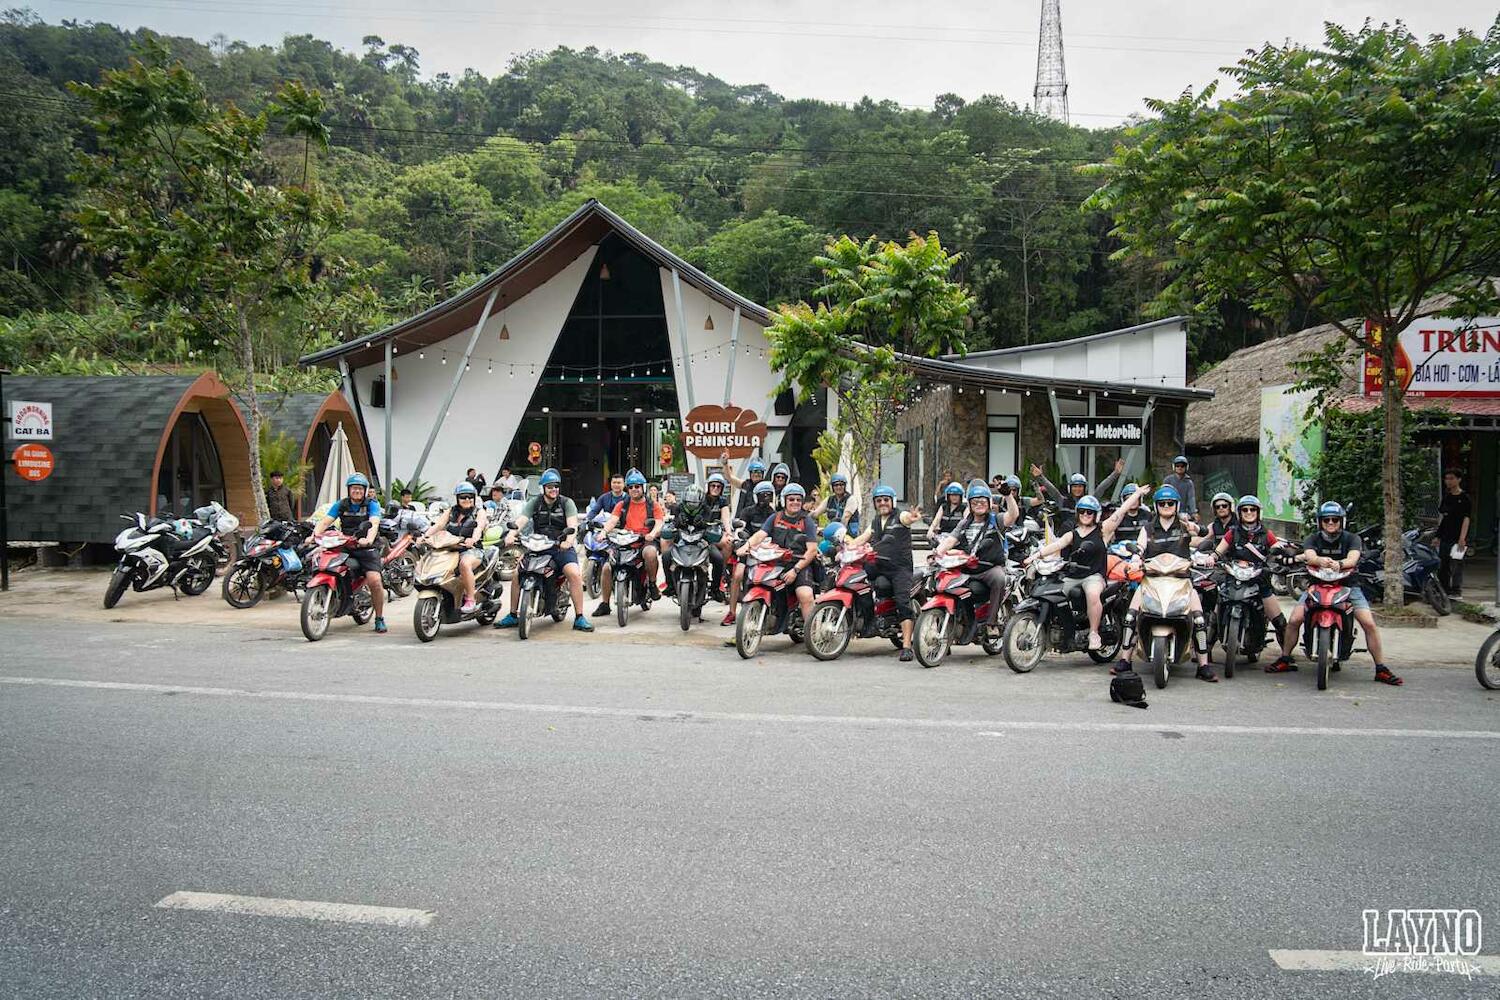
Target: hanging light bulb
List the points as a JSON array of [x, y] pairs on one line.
[[395, 348], [512, 371], [491, 368], [445, 357], [421, 355]]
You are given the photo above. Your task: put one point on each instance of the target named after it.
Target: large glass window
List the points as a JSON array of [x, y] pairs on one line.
[[1003, 432], [190, 474]]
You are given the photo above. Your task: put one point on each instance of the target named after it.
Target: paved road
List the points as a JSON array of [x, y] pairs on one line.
[[583, 816]]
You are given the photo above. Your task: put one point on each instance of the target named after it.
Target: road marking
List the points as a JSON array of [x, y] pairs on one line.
[[985, 727], [1356, 961], [301, 909]]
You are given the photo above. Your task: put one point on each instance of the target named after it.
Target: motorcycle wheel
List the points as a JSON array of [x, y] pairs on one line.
[[489, 608], [243, 586], [225, 553], [1161, 670], [315, 602], [401, 576], [1232, 646], [1324, 656], [993, 641], [795, 628], [826, 638], [749, 628], [1487, 663], [1024, 642], [622, 603], [363, 610], [685, 603], [563, 604], [1434, 594], [118, 581], [593, 578], [1109, 652], [930, 637], [200, 575], [426, 620], [523, 617]]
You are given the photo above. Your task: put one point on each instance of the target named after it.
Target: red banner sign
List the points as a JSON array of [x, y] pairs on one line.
[[1440, 358], [33, 462]]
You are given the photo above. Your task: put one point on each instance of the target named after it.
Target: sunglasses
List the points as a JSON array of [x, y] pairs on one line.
[[1332, 520], [1221, 506], [1166, 503], [1087, 513]]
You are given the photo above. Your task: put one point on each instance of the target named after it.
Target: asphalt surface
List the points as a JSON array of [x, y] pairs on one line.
[[630, 814]]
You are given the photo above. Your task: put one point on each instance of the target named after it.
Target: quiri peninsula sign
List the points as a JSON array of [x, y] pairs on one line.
[[709, 431]]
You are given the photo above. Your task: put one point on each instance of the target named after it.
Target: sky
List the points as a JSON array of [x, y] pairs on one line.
[[1118, 53]]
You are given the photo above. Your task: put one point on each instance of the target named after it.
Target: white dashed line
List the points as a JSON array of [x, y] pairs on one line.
[[299, 909]]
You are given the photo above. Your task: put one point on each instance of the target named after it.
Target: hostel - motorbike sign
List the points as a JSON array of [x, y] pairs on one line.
[[709, 431], [30, 421], [1442, 358]]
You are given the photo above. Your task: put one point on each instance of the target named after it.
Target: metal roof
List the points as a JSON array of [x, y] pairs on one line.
[[943, 370], [1003, 351]]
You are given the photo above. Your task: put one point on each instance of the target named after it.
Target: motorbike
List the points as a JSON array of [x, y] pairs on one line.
[[335, 587], [690, 569], [273, 563], [1206, 576], [1164, 624], [1487, 663], [629, 568], [167, 551], [1328, 630], [1419, 569], [1053, 619], [1288, 575], [769, 605], [543, 589], [398, 564], [958, 611], [1241, 616], [596, 549], [854, 605], [440, 589]]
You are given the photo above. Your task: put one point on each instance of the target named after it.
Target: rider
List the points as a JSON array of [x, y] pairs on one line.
[[1135, 518], [780, 476], [948, 514], [1169, 532], [355, 510], [1078, 488], [1224, 515], [551, 514], [756, 473], [757, 513], [980, 532], [890, 534], [1249, 540], [465, 520], [1331, 546], [718, 499], [632, 514], [606, 502], [699, 511], [782, 528], [1085, 547], [840, 505]]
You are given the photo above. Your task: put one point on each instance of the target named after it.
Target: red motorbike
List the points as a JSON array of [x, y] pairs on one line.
[[1328, 630], [398, 566], [335, 587], [957, 612], [852, 607], [770, 603]]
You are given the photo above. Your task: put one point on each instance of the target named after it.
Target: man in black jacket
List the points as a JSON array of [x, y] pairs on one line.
[[279, 498]]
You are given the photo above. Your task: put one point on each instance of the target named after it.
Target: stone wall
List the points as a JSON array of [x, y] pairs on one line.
[[952, 437]]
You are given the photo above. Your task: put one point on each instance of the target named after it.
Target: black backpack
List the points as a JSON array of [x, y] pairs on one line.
[[1127, 688]]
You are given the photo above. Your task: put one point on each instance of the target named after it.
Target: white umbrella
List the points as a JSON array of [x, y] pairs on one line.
[[340, 467]]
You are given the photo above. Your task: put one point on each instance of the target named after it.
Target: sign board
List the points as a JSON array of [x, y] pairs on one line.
[[1289, 444], [1437, 358], [33, 462], [1120, 432], [30, 421], [678, 483], [709, 431]]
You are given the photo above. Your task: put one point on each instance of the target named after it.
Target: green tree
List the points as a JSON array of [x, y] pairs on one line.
[[1350, 183], [766, 259], [878, 304], [192, 212]]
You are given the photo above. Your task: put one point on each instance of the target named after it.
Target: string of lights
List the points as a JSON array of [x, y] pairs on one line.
[[630, 370]]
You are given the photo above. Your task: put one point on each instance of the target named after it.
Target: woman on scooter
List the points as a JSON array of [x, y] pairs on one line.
[[981, 528], [1086, 549], [466, 520], [1169, 532], [948, 514], [1250, 540]]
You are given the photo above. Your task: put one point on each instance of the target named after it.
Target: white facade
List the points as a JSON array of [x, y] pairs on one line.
[[1153, 354]]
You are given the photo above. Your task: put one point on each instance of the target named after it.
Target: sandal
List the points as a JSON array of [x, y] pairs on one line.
[[1383, 675]]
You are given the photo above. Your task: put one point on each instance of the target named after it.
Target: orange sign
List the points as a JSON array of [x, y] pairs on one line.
[[534, 453], [709, 431], [33, 462]]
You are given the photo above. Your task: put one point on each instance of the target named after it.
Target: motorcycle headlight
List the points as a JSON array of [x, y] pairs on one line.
[[1150, 604], [1178, 607], [122, 538]]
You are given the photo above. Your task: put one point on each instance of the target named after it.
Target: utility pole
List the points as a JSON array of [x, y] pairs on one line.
[[1050, 97]]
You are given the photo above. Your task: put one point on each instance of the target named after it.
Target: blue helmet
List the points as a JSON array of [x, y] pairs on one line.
[[357, 479], [1089, 502], [1331, 508], [1248, 500], [465, 489], [716, 478], [1014, 482], [549, 478], [792, 490], [1129, 489], [634, 478], [756, 465], [953, 490], [764, 488], [978, 490], [1078, 479], [1167, 493], [834, 531], [884, 491], [837, 478], [781, 470]]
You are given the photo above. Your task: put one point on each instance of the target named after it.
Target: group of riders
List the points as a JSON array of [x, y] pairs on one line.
[[972, 517]]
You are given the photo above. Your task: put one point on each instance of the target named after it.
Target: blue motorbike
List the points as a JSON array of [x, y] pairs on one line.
[[1419, 569]]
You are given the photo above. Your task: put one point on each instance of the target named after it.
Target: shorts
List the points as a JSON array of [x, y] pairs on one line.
[[1357, 599], [1073, 584], [365, 560], [564, 557]]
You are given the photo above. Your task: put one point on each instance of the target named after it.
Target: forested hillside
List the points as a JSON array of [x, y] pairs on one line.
[[443, 177]]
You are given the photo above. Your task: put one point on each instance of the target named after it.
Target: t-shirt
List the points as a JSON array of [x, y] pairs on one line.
[[604, 503], [632, 516], [1338, 547], [983, 538], [780, 528], [1454, 509]]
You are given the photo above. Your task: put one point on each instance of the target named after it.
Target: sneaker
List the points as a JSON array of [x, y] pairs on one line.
[[380, 626], [1281, 665], [906, 656], [728, 618], [1383, 675], [603, 610], [581, 624], [1206, 673], [467, 607], [509, 621]]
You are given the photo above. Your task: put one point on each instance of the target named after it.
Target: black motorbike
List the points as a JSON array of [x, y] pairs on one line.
[[628, 563], [1051, 619], [690, 568], [544, 591], [1241, 614], [274, 562], [165, 551]]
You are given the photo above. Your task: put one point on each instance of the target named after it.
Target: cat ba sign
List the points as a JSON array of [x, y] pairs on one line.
[[30, 421]]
